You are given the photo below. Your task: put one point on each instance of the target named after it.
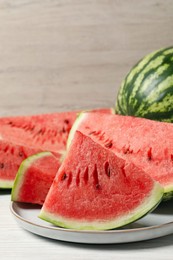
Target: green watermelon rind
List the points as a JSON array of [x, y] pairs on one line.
[[149, 204], [168, 192], [6, 184], [74, 128], [18, 182]]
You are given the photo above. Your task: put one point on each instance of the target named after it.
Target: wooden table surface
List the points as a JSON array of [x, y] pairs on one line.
[[60, 55]]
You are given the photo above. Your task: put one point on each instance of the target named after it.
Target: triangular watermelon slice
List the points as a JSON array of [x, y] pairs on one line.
[[96, 190], [146, 143], [34, 178], [22, 136]]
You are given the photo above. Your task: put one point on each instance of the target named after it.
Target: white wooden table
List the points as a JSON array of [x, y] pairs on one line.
[[70, 54]]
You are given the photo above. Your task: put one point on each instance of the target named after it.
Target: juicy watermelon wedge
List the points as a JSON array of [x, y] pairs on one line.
[[146, 143], [96, 190], [11, 156], [23, 136], [34, 178]]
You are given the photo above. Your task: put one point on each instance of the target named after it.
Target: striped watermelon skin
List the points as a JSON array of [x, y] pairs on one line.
[[147, 90]]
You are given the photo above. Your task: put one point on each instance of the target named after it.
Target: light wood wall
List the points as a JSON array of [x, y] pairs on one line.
[[69, 54]]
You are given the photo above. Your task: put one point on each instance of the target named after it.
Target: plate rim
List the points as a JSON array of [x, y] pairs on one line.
[[14, 204]]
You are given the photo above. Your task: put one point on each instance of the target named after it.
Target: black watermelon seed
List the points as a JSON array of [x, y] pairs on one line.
[[20, 154], [109, 145], [39, 132], [63, 130], [1, 165], [64, 176], [78, 178], [98, 186], [86, 175], [95, 176], [92, 132], [66, 121], [149, 154], [107, 169]]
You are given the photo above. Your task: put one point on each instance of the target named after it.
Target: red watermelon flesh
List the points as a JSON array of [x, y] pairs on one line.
[[146, 143], [11, 156], [48, 131], [32, 134], [34, 178], [95, 189]]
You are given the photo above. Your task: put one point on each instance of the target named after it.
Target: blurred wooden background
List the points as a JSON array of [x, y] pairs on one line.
[[68, 54]]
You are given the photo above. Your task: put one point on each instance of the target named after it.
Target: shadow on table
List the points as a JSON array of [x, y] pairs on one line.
[[165, 207], [5, 192], [152, 243]]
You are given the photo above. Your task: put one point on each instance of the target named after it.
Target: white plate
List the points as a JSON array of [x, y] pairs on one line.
[[156, 224]]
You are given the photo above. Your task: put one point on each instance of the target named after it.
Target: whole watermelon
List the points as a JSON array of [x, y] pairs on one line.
[[147, 90]]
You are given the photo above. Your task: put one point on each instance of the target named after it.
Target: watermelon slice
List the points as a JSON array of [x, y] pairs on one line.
[[23, 136], [34, 178], [146, 143], [96, 190], [11, 156]]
